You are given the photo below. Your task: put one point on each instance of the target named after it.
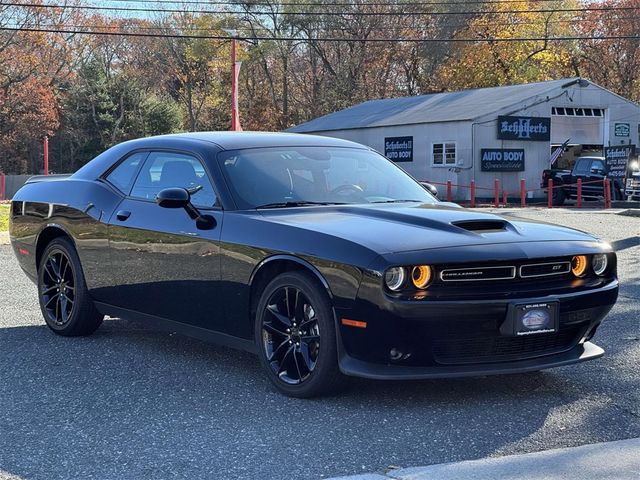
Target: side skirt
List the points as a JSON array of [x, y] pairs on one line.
[[167, 325]]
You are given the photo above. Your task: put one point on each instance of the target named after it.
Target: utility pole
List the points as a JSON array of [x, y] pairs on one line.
[[235, 72], [45, 148]]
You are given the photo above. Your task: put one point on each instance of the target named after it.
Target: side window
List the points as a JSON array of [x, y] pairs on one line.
[[166, 169], [598, 165], [122, 176]]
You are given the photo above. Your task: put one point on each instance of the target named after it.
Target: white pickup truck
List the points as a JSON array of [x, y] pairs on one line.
[[632, 186]]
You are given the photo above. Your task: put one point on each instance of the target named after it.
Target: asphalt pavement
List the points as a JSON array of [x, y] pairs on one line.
[[130, 402]]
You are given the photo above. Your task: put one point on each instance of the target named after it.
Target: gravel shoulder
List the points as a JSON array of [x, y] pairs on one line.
[[132, 403]]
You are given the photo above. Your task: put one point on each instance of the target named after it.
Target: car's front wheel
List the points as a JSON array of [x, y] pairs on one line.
[[64, 300], [296, 336]]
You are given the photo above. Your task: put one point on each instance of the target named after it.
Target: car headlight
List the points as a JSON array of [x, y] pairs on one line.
[[394, 278], [579, 265], [421, 276], [599, 263]]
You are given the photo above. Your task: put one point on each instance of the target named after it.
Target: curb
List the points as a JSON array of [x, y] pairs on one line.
[[603, 461]]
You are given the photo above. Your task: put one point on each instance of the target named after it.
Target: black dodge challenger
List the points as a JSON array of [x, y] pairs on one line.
[[317, 254]]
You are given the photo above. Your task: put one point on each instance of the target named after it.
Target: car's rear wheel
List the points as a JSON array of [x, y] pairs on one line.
[[558, 197], [296, 336], [64, 300]]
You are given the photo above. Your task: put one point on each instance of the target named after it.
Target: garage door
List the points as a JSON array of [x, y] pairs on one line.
[[583, 126]]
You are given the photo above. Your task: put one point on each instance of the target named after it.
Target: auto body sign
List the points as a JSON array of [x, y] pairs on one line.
[[502, 160], [524, 128], [399, 149], [617, 158]]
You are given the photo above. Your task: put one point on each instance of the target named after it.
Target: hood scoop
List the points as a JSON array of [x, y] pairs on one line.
[[481, 226]]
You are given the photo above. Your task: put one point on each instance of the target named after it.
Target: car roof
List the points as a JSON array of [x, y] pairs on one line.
[[216, 140], [237, 140]]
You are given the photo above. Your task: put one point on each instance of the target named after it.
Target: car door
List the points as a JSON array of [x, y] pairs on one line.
[[597, 172], [161, 263]]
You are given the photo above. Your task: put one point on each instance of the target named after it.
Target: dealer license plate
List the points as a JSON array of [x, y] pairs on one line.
[[535, 318]]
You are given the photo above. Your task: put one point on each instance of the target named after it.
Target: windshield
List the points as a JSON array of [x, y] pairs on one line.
[[294, 176]]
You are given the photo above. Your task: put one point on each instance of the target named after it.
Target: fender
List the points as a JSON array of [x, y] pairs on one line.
[[299, 261]]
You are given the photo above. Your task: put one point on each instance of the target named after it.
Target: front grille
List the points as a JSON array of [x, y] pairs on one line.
[[544, 269], [477, 274], [501, 348]]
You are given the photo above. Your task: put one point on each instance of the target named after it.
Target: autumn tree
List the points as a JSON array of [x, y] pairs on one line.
[[613, 63], [491, 54]]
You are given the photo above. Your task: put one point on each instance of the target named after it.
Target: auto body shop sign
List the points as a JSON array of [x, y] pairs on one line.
[[524, 128], [617, 158], [399, 149], [502, 160]]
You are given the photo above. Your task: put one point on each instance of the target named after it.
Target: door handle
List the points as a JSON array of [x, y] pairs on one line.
[[122, 215]]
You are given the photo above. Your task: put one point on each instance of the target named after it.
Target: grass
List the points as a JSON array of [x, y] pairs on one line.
[[4, 217]]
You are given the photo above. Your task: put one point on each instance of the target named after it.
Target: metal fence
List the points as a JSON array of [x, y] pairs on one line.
[[10, 184]]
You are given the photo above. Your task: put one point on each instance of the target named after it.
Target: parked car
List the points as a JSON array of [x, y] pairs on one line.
[[590, 169], [318, 255], [632, 186]]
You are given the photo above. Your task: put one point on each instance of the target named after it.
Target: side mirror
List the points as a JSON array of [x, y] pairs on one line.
[[173, 198], [181, 198], [430, 188]]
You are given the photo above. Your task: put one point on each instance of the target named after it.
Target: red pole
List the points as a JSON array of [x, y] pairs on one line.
[[235, 69], [550, 193], [523, 193], [496, 193], [2, 183], [46, 155], [504, 198], [472, 187], [579, 198], [607, 194], [449, 196]]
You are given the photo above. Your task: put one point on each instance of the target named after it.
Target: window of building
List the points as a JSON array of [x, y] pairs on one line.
[[577, 112], [444, 153]]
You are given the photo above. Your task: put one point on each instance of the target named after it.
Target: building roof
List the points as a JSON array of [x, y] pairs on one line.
[[436, 107]]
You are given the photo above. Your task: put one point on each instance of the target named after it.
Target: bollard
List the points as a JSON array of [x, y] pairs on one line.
[[504, 198], [496, 193], [523, 193], [2, 185], [607, 193], [550, 193], [579, 194], [449, 196], [472, 188]]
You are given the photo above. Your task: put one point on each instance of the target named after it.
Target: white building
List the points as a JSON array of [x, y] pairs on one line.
[[506, 133]]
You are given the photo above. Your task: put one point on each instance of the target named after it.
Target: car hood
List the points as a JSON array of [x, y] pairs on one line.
[[393, 228]]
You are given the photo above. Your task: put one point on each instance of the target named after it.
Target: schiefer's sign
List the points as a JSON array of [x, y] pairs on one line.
[[524, 128], [399, 149], [502, 160], [617, 158]]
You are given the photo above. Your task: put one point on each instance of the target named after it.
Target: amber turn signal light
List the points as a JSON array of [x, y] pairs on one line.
[[354, 323], [421, 276], [579, 265]]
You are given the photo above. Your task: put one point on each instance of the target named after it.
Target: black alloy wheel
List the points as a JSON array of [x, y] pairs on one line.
[[58, 287], [291, 335], [64, 300], [295, 335]]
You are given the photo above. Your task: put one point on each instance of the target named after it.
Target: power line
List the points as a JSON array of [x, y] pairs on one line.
[[252, 30], [327, 39], [322, 4], [321, 13]]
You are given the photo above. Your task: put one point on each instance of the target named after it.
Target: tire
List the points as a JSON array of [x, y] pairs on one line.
[[65, 303], [295, 335], [558, 197]]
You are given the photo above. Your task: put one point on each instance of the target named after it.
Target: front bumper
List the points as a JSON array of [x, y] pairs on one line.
[[437, 339], [358, 368]]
